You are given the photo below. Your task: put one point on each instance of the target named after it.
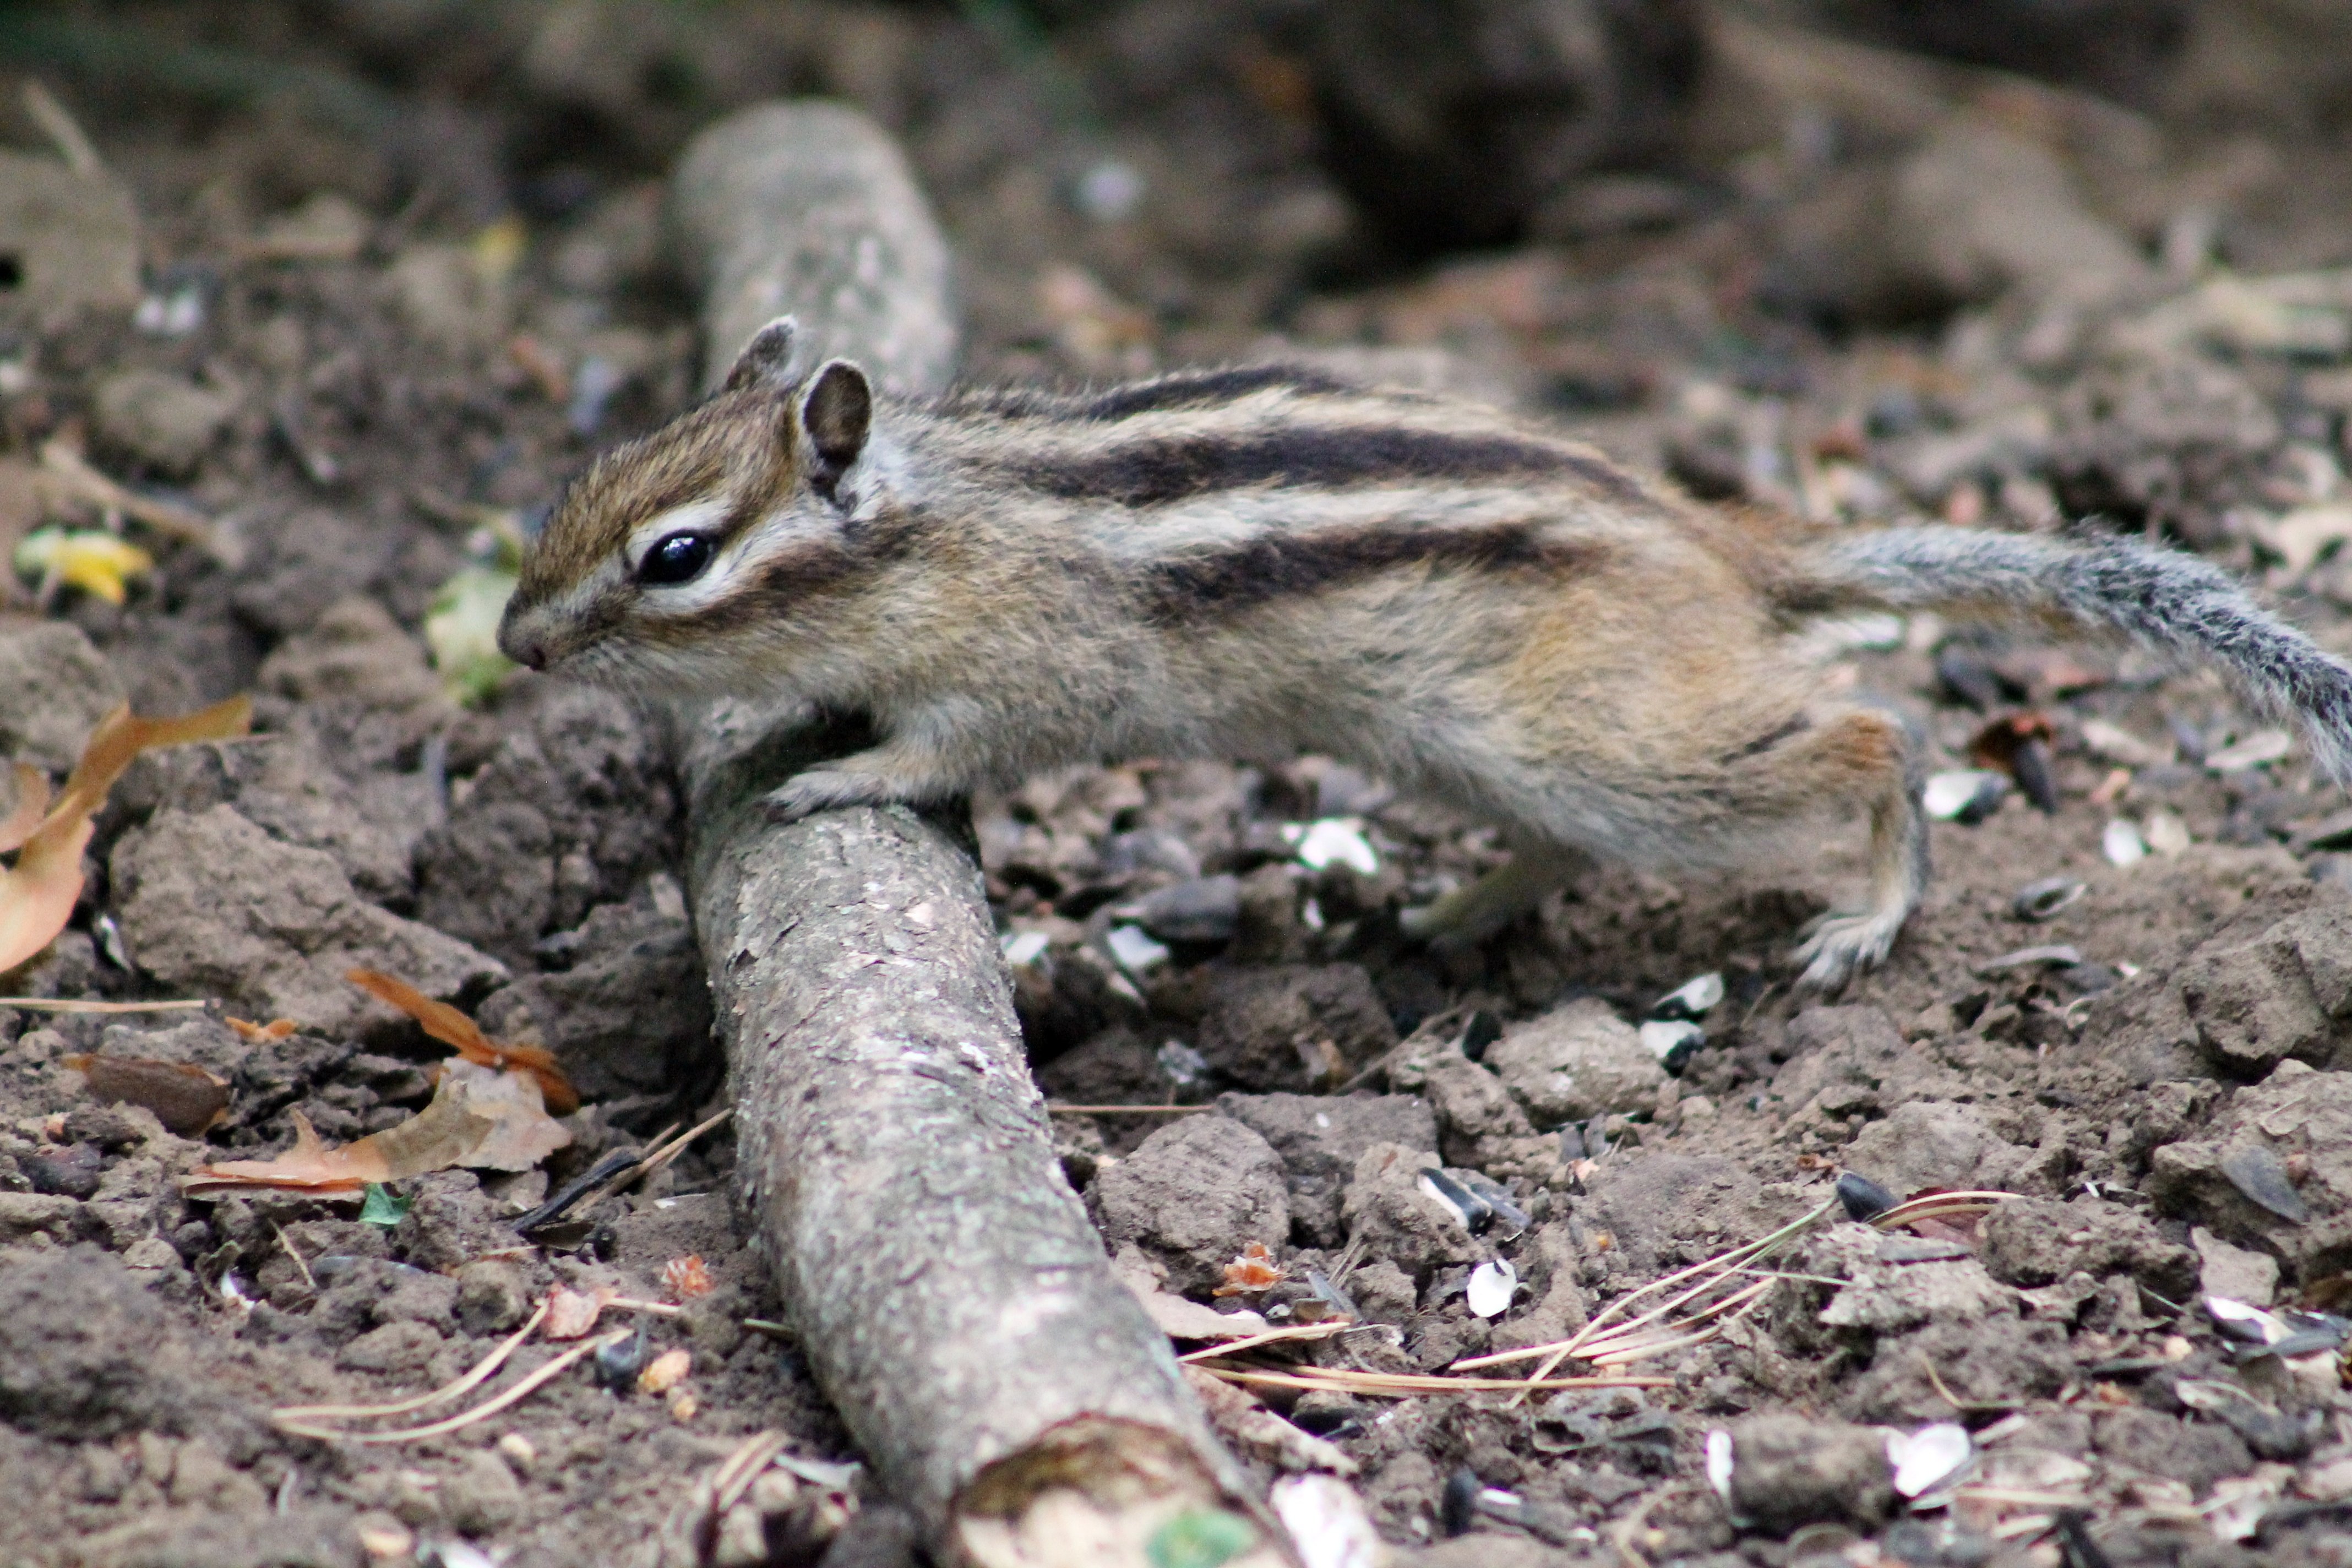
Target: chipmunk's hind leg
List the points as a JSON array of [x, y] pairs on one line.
[[1868, 759], [1469, 916]]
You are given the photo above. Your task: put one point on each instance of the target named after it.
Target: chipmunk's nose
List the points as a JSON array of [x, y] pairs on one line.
[[520, 643]]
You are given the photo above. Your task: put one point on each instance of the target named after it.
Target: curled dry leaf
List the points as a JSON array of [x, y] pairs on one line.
[[522, 1133], [260, 1033], [186, 1098], [32, 805], [687, 1277], [452, 1027], [38, 893], [572, 1313], [308, 1166], [478, 1116], [1254, 1271], [666, 1371]]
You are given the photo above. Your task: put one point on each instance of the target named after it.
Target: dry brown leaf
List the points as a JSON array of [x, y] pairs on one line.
[[478, 1116], [522, 1133], [38, 893], [666, 1371], [32, 805], [260, 1033], [572, 1313], [186, 1098], [308, 1166], [452, 1027]]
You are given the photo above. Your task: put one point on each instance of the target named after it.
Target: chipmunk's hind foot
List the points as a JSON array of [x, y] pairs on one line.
[[1469, 916]]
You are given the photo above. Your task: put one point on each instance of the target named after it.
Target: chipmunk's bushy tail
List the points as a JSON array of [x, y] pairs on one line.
[[2166, 601]]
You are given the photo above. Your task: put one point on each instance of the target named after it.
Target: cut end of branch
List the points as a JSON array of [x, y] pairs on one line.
[[1100, 1492]]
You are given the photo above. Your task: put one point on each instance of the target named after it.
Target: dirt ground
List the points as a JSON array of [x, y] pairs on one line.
[[400, 273]]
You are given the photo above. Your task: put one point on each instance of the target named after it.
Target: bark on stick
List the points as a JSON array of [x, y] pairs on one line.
[[949, 1291]]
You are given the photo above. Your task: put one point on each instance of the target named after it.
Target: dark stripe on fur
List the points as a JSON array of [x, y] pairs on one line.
[[1277, 565], [1200, 389], [1155, 473], [1785, 730]]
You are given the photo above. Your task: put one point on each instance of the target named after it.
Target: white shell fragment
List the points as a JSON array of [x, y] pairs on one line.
[[1326, 1522], [1664, 1037], [2262, 746], [1926, 1458], [1333, 840], [1491, 1285], [1718, 1464], [2249, 1324], [1024, 947], [1695, 1000], [2122, 844], [2165, 832], [2114, 744], [1948, 794], [1135, 950]]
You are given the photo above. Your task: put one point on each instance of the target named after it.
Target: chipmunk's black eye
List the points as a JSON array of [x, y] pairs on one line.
[[675, 558]]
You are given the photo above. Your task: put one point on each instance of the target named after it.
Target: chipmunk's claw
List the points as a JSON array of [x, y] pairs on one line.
[[1842, 945], [821, 789]]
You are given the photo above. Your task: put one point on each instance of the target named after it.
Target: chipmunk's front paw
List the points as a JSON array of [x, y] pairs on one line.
[[1837, 946], [821, 789]]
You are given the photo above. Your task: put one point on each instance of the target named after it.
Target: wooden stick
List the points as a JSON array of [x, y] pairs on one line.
[[945, 1284]]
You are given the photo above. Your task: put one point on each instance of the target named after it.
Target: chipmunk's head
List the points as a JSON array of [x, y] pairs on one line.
[[679, 557]]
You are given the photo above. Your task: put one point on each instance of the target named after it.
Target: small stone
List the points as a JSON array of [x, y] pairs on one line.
[[1792, 1470], [483, 1497], [1319, 1138], [1575, 1062], [55, 686], [492, 1296], [211, 904], [163, 419], [201, 1478], [354, 653], [405, 1348], [2234, 1273], [70, 1172], [1193, 1195], [1205, 910], [1295, 1026], [23, 1214]]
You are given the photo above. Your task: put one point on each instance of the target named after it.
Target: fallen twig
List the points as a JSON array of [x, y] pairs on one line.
[[463, 1419], [480, 1372], [68, 1004]]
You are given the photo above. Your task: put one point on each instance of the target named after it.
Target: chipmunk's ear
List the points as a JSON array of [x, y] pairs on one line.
[[835, 414], [765, 357]]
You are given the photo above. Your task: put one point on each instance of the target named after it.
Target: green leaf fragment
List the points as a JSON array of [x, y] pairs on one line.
[[461, 628], [383, 1207], [1200, 1538]]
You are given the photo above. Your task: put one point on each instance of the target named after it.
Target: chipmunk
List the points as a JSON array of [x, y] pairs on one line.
[[1259, 561]]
